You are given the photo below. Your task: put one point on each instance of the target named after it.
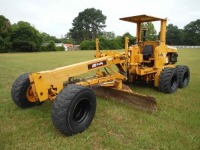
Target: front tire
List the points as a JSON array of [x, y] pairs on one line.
[[20, 92], [168, 80], [73, 109]]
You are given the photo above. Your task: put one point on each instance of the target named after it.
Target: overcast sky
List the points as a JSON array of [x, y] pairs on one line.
[[55, 16]]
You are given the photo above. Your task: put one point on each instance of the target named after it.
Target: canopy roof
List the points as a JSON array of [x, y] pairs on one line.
[[142, 18]]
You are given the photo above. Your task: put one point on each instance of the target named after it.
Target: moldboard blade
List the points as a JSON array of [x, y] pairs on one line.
[[137, 100]]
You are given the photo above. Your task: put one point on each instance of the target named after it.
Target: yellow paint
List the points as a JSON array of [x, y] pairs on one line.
[[47, 84]]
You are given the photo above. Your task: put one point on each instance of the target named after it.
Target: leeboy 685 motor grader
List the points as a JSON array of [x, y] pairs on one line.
[[74, 100]]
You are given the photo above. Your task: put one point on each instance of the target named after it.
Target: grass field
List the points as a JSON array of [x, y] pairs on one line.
[[176, 124]]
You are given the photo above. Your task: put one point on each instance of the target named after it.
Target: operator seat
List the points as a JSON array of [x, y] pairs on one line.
[[147, 52]]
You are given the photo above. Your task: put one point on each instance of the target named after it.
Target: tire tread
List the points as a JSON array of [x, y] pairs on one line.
[[165, 80], [61, 106], [18, 91]]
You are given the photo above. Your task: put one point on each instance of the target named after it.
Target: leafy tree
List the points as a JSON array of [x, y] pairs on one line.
[[120, 40], [131, 39], [67, 39], [151, 32], [108, 35], [5, 45], [173, 35], [5, 30], [56, 40], [87, 25], [5, 27], [113, 44], [51, 46], [192, 33], [25, 37], [46, 38], [104, 44], [87, 45]]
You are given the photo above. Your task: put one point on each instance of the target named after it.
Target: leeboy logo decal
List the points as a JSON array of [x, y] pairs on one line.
[[97, 64]]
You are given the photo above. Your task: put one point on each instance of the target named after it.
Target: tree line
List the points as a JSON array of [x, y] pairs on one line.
[[23, 37], [189, 35], [88, 25]]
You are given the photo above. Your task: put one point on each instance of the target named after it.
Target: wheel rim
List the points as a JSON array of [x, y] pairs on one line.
[[81, 111], [29, 95]]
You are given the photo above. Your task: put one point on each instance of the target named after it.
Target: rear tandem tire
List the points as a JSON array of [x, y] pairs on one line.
[[73, 109], [168, 80], [183, 75], [18, 92]]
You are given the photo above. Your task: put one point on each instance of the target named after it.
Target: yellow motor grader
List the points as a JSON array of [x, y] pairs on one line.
[[74, 100]]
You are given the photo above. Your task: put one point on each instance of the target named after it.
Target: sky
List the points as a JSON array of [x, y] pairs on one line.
[[55, 16]]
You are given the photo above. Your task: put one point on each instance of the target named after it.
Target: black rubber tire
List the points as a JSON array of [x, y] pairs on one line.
[[18, 92], [183, 76], [73, 109], [168, 80]]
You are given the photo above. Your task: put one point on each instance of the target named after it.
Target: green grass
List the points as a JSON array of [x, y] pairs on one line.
[[176, 124]]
